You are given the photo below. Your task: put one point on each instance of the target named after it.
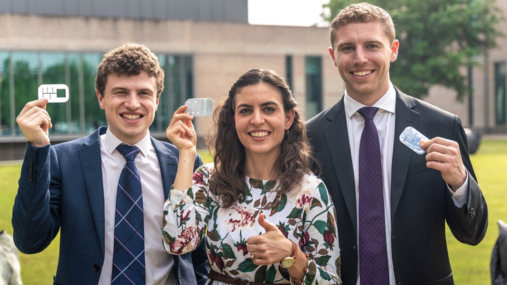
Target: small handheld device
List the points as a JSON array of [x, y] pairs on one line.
[[411, 138], [199, 107], [56, 93]]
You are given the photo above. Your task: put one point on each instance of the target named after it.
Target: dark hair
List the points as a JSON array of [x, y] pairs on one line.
[[292, 162], [129, 59], [362, 13]]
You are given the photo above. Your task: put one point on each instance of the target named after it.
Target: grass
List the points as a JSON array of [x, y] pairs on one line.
[[470, 264]]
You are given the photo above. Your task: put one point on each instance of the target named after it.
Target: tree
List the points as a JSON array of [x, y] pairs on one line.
[[438, 39]]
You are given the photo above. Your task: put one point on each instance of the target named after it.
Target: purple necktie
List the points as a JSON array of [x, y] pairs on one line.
[[373, 266], [128, 256]]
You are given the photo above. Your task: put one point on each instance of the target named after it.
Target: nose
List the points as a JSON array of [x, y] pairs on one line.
[[132, 101], [360, 56], [257, 118]]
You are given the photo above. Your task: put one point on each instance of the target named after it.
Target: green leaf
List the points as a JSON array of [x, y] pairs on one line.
[[257, 184], [247, 266], [323, 194], [260, 274], [296, 213], [271, 274], [269, 185], [321, 226], [323, 260], [324, 275], [228, 252]]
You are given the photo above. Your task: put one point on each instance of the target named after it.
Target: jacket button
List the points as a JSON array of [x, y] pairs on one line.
[[96, 267], [471, 214], [354, 248]]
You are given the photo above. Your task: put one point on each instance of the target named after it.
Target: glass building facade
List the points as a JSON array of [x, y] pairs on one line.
[[22, 72]]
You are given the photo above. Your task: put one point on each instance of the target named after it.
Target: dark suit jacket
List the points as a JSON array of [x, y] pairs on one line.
[[420, 200], [61, 188]]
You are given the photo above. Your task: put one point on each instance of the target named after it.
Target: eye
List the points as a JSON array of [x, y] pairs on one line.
[[372, 46], [347, 48], [269, 109], [245, 111]]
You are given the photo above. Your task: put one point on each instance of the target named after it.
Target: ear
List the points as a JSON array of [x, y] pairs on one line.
[[156, 103], [289, 118], [394, 50], [100, 98], [331, 53]]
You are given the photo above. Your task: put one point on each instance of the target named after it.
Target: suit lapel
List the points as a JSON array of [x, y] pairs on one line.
[[91, 167], [337, 140], [405, 116], [168, 165]]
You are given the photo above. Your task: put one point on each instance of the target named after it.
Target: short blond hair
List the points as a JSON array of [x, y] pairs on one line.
[[362, 13]]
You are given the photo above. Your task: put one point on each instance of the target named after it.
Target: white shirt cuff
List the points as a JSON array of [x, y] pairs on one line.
[[460, 195]]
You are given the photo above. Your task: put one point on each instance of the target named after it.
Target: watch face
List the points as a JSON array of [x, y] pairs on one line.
[[288, 262]]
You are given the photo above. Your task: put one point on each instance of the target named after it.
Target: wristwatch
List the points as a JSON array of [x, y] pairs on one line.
[[291, 260]]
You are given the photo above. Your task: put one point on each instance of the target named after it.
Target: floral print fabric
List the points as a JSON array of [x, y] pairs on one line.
[[305, 215]]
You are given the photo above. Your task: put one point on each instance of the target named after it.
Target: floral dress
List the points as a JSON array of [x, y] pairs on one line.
[[305, 215]]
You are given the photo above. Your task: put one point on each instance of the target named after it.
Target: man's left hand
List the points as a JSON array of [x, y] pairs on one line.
[[444, 155]]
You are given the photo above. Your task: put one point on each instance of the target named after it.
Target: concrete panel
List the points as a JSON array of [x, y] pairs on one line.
[[5, 6], [71, 7], [19, 6], [132, 8], [47, 7], [147, 9], [236, 10], [86, 7]]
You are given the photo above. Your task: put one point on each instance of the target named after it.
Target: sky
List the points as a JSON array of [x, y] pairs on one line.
[[285, 12]]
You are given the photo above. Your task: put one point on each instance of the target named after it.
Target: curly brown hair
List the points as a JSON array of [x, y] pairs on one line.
[[362, 13], [129, 59], [292, 162]]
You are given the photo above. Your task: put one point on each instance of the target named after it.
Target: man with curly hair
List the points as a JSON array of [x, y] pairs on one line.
[[74, 186]]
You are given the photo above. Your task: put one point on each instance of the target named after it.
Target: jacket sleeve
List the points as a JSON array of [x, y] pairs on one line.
[[468, 224], [36, 211]]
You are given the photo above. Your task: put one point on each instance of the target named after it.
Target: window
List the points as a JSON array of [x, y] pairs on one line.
[[288, 71], [21, 73], [500, 93], [313, 68]]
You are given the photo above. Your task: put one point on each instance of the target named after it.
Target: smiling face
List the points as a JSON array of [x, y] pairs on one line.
[[363, 53], [130, 103], [260, 119]]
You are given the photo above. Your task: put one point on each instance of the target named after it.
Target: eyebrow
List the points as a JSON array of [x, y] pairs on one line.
[[124, 88], [366, 43], [262, 105]]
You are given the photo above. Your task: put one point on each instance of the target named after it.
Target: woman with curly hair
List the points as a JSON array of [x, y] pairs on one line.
[[265, 218]]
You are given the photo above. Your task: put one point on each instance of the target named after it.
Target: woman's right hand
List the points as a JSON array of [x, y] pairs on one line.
[[181, 131]]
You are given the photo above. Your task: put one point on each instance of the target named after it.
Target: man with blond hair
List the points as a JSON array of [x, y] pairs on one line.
[[392, 203], [104, 192]]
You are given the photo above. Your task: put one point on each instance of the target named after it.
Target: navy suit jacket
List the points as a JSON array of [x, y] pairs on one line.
[[420, 201], [61, 188]]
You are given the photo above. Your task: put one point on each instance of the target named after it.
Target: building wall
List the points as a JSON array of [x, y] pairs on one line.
[[221, 51]]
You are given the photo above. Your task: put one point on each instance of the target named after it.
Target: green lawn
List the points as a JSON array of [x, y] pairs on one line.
[[470, 264]]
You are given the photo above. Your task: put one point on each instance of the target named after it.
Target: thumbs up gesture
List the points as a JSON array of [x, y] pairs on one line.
[[270, 247]]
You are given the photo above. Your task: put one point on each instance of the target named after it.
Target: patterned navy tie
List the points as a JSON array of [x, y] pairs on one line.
[[128, 256], [373, 266]]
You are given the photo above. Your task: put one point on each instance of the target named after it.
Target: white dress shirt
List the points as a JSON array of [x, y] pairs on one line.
[[159, 264], [384, 121]]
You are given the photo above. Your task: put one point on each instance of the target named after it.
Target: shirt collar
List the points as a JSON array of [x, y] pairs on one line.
[[111, 142], [386, 103]]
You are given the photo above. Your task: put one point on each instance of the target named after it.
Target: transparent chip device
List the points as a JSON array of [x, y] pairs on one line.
[[411, 138], [56, 93], [199, 107]]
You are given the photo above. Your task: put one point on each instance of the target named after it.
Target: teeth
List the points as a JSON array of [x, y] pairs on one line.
[[131, 117], [259, 134], [362, 73]]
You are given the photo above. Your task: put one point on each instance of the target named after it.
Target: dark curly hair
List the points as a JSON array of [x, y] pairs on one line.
[[129, 59], [292, 162]]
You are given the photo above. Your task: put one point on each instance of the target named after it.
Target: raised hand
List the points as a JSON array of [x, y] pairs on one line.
[[270, 247], [34, 121], [181, 131], [444, 155]]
